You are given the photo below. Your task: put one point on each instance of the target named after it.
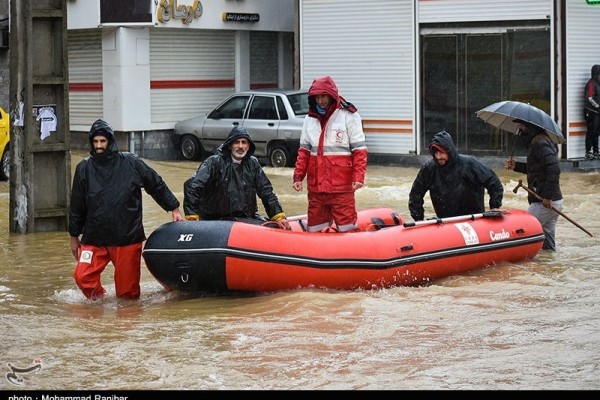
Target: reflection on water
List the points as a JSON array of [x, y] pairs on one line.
[[533, 325]]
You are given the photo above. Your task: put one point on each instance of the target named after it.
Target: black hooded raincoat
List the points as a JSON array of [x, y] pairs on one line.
[[106, 197], [457, 188], [542, 166], [222, 189]]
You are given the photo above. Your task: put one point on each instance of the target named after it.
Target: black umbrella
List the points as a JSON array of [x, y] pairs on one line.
[[502, 115]]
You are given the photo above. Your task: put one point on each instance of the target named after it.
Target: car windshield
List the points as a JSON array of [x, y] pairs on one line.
[[299, 103]]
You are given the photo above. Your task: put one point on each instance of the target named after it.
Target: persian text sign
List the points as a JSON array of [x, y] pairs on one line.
[[240, 17]]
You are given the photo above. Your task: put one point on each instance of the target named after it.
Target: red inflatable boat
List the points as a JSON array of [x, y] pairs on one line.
[[227, 256]]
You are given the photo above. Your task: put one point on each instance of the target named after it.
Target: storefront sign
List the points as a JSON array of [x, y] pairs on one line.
[[167, 9], [240, 17]]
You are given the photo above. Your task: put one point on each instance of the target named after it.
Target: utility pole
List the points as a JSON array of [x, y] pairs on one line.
[[40, 163]]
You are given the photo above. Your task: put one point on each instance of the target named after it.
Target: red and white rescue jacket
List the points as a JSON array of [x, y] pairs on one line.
[[334, 156]]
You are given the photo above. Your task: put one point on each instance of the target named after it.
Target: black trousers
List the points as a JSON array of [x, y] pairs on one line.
[[592, 119]]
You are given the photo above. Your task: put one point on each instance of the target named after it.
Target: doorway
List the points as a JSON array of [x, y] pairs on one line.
[[465, 70]]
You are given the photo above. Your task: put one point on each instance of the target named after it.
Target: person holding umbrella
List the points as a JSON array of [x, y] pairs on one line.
[[543, 178], [455, 182]]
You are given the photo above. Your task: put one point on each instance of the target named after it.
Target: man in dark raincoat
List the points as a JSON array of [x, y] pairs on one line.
[[455, 183], [543, 177], [226, 184], [106, 209]]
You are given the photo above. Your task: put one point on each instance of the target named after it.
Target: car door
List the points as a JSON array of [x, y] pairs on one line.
[[262, 122], [222, 119]]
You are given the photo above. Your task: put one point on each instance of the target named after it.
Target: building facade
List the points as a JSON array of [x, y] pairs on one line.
[[415, 67], [144, 65], [412, 67]]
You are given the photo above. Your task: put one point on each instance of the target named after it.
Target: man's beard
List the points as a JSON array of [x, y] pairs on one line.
[[239, 156]]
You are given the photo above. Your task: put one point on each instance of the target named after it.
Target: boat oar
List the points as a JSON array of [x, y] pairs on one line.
[[537, 196], [471, 217]]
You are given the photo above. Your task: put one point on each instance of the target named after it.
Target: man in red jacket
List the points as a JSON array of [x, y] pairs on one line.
[[590, 112], [332, 157]]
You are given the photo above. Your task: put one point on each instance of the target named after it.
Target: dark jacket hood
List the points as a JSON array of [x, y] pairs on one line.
[[103, 128], [528, 134], [444, 140], [235, 134], [595, 71]]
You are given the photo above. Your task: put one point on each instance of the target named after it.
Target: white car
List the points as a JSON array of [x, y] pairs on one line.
[[273, 119]]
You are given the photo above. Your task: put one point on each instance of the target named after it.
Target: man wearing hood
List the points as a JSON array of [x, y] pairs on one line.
[[455, 183], [226, 184], [543, 177], [590, 113], [332, 157], [106, 209]]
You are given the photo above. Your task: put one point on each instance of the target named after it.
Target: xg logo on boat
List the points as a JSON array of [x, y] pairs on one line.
[[185, 237]]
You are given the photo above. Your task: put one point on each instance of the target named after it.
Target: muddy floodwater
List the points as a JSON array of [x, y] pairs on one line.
[[528, 325]]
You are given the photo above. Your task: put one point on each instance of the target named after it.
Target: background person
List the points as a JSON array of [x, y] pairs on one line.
[[332, 157], [590, 113], [106, 209], [455, 182], [543, 177], [226, 184]]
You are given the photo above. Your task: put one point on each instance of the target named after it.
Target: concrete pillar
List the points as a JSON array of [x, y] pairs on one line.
[[126, 78], [285, 61], [242, 60], [40, 166]]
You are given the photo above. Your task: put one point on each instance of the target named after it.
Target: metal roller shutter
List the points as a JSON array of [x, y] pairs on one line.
[[190, 72], [376, 75], [85, 78]]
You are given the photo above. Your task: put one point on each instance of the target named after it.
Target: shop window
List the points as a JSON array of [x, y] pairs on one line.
[[463, 72], [120, 11]]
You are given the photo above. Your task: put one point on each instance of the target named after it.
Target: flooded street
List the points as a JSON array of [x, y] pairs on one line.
[[531, 325]]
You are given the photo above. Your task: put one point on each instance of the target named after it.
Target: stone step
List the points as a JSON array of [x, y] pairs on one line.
[[580, 164]]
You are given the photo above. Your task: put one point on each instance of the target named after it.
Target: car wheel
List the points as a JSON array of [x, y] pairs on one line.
[[280, 157], [5, 165], [191, 149]]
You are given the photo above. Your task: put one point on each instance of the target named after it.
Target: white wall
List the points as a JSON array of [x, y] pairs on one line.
[[83, 14], [583, 51], [126, 78]]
